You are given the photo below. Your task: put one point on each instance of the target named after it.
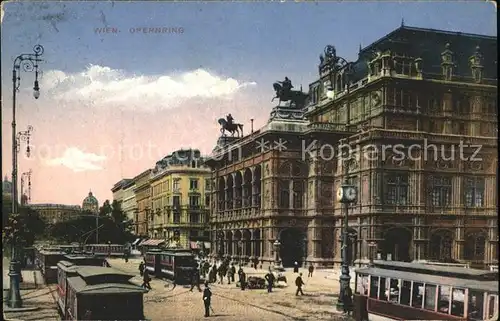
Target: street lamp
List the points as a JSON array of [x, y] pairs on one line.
[[346, 194], [29, 63]]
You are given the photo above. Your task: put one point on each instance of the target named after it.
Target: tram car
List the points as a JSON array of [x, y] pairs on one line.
[[178, 265], [98, 293], [388, 290], [86, 259], [47, 260], [71, 248], [115, 250], [152, 259]]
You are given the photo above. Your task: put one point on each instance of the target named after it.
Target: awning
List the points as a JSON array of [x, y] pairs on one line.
[[207, 245], [136, 241], [152, 242], [194, 246]]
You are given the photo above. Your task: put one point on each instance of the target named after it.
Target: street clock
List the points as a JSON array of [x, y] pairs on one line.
[[347, 194]]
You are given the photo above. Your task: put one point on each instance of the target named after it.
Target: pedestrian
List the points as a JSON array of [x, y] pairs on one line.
[[295, 267], [141, 268], [256, 263], [240, 271], [299, 283], [126, 255], [270, 281], [221, 275], [243, 280], [195, 280], [311, 270], [145, 280], [233, 272], [347, 300], [207, 296]]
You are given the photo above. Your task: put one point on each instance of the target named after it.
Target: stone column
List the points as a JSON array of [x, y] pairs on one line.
[[226, 197], [235, 195], [447, 112]]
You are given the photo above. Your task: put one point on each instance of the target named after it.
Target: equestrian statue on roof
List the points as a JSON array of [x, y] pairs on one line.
[[285, 93]]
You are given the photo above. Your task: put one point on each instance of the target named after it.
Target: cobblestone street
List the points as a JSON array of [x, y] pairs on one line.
[[230, 303]]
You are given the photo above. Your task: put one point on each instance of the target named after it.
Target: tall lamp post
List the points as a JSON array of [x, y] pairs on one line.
[[28, 62]]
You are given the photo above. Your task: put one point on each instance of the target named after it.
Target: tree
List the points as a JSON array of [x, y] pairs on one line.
[[25, 227]]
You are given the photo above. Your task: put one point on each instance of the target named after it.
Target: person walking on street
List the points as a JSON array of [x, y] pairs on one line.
[[233, 272], [207, 297], [299, 283], [195, 280], [347, 300], [243, 280], [270, 281], [295, 267], [145, 280], [240, 271], [141, 268], [311, 270]]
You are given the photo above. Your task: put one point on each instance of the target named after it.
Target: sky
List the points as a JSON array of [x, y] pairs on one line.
[[115, 98]]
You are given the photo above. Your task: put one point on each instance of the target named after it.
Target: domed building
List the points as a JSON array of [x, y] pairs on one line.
[[6, 187], [90, 203]]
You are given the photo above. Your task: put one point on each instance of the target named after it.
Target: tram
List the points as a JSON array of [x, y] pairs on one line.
[[46, 261], [105, 249], [178, 265], [86, 259], [389, 290], [98, 293], [152, 259]]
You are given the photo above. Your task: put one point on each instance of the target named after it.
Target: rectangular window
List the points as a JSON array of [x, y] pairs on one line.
[[397, 189], [177, 184], [384, 291], [177, 218], [373, 287], [405, 293], [208, 185], [444, 299], [430, 297], [194, 218], [474, 191], [207, 201], [194, 200], [362, 285], [417, 295], [193, 184], [176, 201], [394, 290], [492, 304], [475, 310], [457, 302], [441, 191]]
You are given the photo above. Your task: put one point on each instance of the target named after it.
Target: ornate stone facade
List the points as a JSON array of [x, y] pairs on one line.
[[414, 118]]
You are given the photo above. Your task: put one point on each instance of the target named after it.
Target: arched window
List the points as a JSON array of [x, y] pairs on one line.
[[474, 247]]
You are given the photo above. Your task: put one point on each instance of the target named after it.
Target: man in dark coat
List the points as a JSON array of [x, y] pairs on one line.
[[299, 283], [243, 280], [270, 280], [195, 280], [207, 297], [141, 268], [311, 270], [240, 271], [232, 270], [145, 280]]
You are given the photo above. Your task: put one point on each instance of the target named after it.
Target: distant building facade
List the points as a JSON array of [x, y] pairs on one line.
[[180, 199], [56, 213], [123, 194], [142, 192], [90, 204]]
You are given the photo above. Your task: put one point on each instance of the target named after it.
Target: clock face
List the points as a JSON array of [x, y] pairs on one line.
[[340, 194], [350, 194]]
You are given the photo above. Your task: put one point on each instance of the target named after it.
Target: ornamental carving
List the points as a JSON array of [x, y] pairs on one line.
[[476, 165], [444, 164]]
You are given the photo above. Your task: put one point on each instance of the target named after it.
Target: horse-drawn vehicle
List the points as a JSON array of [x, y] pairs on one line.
[[256, 282]]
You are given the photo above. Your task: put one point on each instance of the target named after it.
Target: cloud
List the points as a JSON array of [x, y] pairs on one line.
[[103, 86], [78, 161]]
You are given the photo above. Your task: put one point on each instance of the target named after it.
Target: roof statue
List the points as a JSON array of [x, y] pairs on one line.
[[229, 125], [285, 93]]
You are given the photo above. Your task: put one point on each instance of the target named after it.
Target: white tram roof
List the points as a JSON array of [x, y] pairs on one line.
[[426, 268], [81, 286], [489, 286]]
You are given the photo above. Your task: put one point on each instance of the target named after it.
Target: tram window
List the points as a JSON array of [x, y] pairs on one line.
[[362, 286], [405, 293], [491, 306], [444, 299], [457, 302], [394, 290], [430, 297], [417, 295], [373, 286], [384, 294], [476, 304]]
